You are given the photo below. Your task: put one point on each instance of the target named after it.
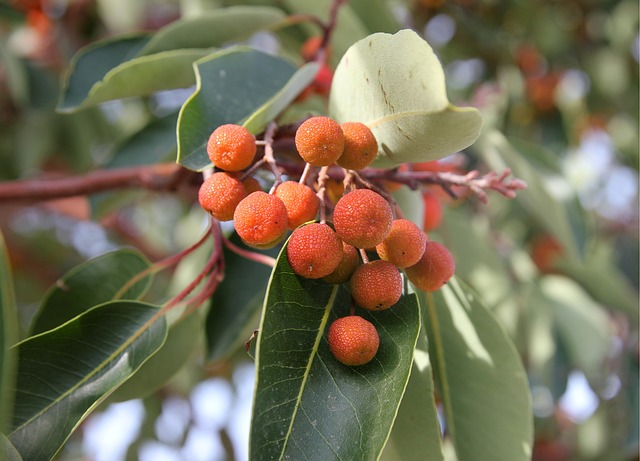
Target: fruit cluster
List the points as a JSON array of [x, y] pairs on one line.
[[363, 225]]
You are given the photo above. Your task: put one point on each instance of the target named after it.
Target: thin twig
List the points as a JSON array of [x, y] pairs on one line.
[[250, 255]]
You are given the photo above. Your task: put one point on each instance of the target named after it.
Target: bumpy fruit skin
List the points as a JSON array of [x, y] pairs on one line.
[[220, 194], [231, 147], [376, 285], [301, 202], [260, 219], [320, 141], [348, 264], [360, 146], [314, 251], [353, 341], [404, 246], [434, 269], [362, 218]]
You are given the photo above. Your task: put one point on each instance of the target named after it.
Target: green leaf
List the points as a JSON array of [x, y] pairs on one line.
[[66, 372], [480, 377], [376, 15], [183, 338], [8, 336], [145, 75], [416, 432], [93, 282], [395, 84], [307, 404], [548, 211], [231, 86], [90, 65], [258, 121], [7, 451], [582, 324], [236, 303], [214, 28], [154, 143]]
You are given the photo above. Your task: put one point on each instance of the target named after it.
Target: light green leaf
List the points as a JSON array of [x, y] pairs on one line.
[[145, 75], [536, 199], [8, 336], [214, 28], [90, 65], [236, 303], [582, 324], [7, 451], [258, 121], [91, 283], [307, 404], [66, 372], [231, 86], [395, 84], [416, 432], [480, 376]]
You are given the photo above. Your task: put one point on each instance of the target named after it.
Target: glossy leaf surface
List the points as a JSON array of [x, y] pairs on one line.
[[8, 336], [65, 372], [480, 378], [231, 86], [395, 84], [94, 282], [307, 404]]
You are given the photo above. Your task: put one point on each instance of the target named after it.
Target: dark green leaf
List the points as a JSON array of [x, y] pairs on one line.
[[94, 282], [396, 85], [183, 338], [307, 404], [416, 432], [236, 304], [91, 64], [480, 376], [154, 143], [376, 15], [8, 336], [231, 85], [213, 28], [65, 372]]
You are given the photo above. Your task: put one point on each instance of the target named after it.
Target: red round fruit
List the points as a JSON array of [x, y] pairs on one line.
[[353, 341]]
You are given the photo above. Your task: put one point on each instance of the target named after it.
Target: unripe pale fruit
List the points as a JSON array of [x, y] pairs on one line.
[[320, 141], [404, 246], [301, 202], [220, 194], [362, 218], [260, 219], [360, 146], [434, 269], [376, 285], [314, 251], [353, 341], [348, 264], [231, 147]]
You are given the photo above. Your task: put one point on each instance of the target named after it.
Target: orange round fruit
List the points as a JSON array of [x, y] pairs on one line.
[[319, 141], [360, 146], [231, 147], [362, 218], [353, 341], [376, 285], [260, 219], [348, 264], [220, 194], [404, 246], [432, 211], [314, 251], [301, 202], [252, 184], [434, 269]]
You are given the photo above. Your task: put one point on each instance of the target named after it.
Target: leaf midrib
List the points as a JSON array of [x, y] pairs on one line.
[[314, 353]]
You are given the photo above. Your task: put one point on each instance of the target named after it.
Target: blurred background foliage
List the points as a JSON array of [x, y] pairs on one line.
[[557, 82]]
